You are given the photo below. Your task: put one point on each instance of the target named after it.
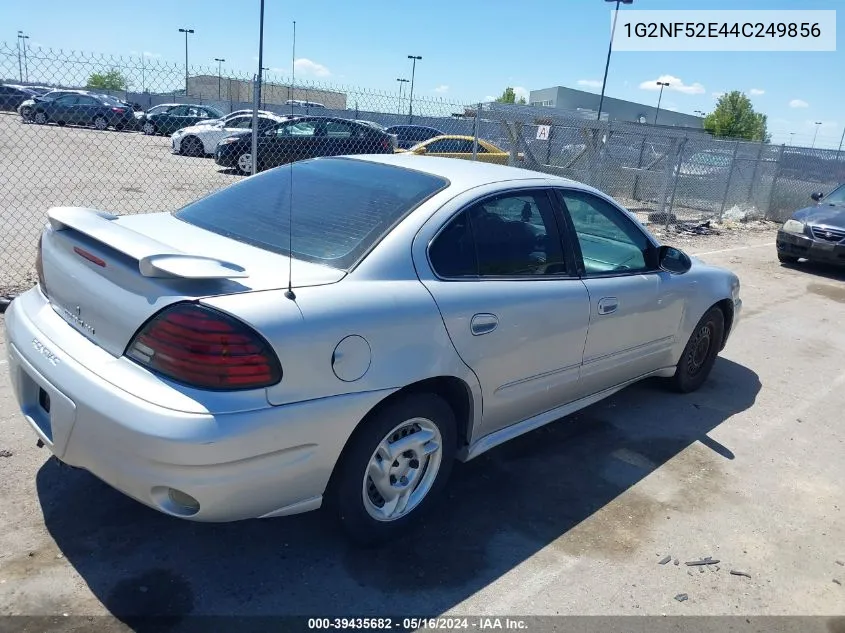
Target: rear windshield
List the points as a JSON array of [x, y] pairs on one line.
[[341, 208]]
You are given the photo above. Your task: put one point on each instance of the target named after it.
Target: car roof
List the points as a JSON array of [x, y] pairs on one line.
[[466, 174]]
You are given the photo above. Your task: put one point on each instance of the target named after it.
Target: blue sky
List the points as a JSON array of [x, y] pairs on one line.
[[471, 49]]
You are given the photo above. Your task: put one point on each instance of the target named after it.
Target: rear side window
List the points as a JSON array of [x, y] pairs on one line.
[[341, 208]]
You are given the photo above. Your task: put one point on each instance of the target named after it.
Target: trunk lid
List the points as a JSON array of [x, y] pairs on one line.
[[106, 275]]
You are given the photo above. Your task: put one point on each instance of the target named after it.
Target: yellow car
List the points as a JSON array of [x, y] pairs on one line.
[[456, 146]]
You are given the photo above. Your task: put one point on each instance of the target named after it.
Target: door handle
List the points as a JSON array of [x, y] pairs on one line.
[[608, 305], [483, 324]]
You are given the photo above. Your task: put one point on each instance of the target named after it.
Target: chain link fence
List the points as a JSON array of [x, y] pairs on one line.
[[168, 137]]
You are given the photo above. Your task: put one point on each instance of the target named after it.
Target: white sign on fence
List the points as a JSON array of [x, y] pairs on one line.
[[543, 132]]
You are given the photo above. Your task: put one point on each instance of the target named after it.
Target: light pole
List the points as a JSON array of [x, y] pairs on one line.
[[219, 61], [609, 51], [701, 112], [791, 134], [186, 31], [401, 81], [817, 124], [662, 85], [22, 44], [411, 99], [263, 92]]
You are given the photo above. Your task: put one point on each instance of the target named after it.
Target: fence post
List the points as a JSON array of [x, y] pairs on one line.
[[775, 181], [667, 175], [728, 186], [677, 170], [475, 132], [635, 193], [754, 173]]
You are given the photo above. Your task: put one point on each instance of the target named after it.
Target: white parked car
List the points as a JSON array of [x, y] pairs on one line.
[[201, 140], [233, 115]]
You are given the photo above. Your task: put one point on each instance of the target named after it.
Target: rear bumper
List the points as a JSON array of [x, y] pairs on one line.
[[801, 246], [272, 461]]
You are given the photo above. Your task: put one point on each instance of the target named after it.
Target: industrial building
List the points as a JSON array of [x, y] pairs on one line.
[[613, 109], [211, 87]]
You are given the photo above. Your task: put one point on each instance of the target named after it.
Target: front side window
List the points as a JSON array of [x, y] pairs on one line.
[[299, 128], [510, 235], [835, 197], [67, 100], [610, 242]]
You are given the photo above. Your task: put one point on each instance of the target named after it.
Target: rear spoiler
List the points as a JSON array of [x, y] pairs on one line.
[[155, 259]]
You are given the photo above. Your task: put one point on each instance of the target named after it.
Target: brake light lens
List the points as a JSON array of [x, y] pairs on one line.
[[118, 110], [39, 265], [205, 348]]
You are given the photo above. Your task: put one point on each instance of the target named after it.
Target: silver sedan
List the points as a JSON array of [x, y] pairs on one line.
[[431, 310]]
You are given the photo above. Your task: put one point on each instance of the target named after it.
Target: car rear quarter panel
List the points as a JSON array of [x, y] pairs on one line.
[[398, 319]]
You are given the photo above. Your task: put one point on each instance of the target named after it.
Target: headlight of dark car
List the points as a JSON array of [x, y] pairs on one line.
[[794, 227]]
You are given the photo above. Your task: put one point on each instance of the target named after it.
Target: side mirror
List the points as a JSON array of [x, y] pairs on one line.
[[817, 196], [673, 260]]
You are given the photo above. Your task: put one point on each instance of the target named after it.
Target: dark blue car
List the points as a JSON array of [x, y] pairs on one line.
[[99, 111]]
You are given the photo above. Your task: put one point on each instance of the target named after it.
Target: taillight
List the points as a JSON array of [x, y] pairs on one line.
[[118, 110], [39, 265], [202, 347], [385, 144]]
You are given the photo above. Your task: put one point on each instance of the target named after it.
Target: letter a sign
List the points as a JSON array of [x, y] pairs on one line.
[[543, 132]]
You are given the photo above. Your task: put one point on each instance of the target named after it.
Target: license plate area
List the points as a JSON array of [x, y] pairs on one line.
[[823, 247]]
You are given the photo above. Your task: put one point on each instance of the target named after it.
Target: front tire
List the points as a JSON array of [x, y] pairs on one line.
[[149, 128], [394, 468], [26, 114], [191, 146], [40, 118], [244, 164], [700, 352]]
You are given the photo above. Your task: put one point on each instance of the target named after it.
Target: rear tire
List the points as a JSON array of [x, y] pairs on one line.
[[787, 259], [100, 123], [700, 352], [40, 118], [394, 469]]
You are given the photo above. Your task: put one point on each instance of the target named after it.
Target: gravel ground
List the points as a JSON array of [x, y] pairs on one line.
[[573, 518]]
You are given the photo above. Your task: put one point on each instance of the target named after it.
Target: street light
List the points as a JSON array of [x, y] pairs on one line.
[[817, 124], [22, 42], [219, 61], [401, 81], [186, 31], [701, 112], [263, 92], [662, 85], [791, 134], [609, 50], [411, 100]]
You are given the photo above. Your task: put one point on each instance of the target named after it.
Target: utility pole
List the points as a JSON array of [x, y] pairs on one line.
[[219, 61]]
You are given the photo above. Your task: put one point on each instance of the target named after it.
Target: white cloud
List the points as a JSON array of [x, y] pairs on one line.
[[519, 91], [756, 92], [442, 88], [798, 103], [307, 67], [675, 84], [589, 83]]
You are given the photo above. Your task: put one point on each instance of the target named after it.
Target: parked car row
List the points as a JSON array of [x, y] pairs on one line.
[[11, 95]]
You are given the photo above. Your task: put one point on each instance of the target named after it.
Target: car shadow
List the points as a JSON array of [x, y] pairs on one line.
[[819, 269], [538, 491]]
